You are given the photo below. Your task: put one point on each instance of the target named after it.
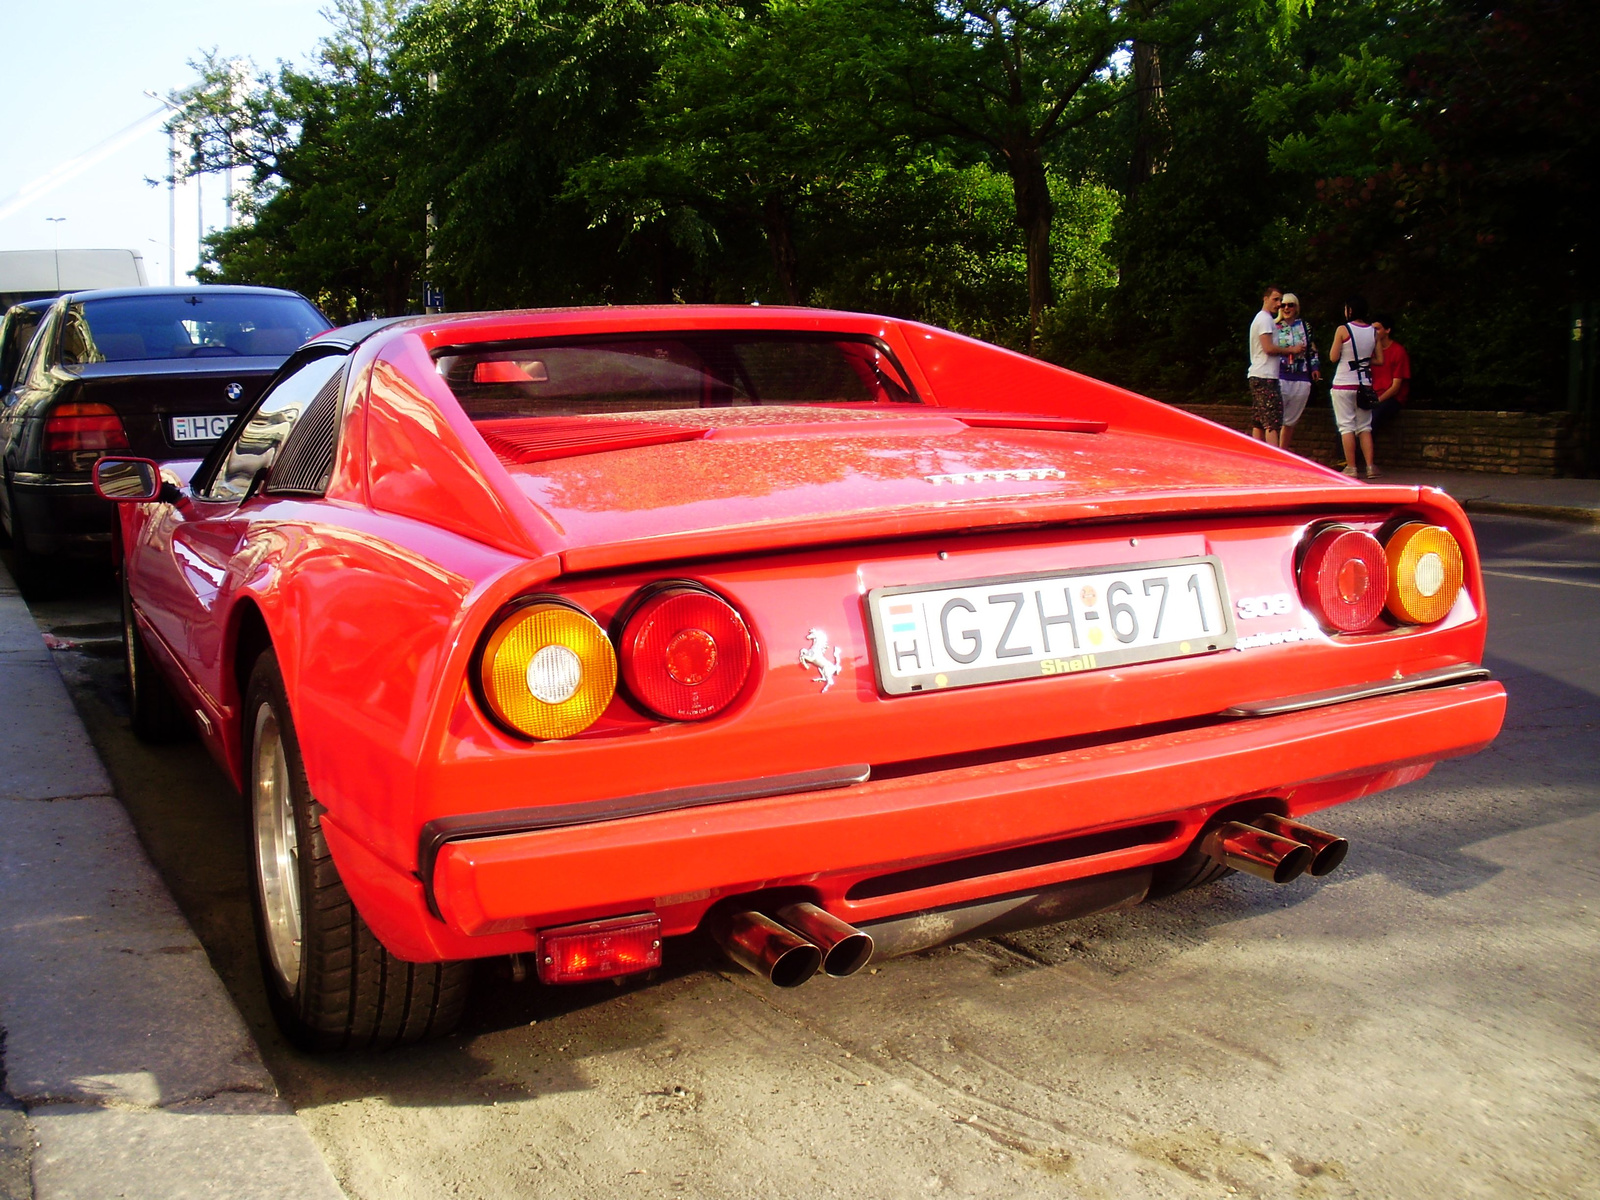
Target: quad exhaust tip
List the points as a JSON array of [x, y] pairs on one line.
[[845, 949], [763, 947], [787, 954], [1327, 850], [1274, 848]]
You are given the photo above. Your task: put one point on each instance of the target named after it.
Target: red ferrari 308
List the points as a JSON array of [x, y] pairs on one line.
[[558, 634]]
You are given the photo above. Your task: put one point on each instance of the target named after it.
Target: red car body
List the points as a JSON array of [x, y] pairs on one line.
[[458, 840]]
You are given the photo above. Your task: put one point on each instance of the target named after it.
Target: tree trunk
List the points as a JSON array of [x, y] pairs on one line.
[[1035, 212], [780, 240], [1150, 133], [664, 274]]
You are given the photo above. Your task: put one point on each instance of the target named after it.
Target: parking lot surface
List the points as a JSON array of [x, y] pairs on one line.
[[1420, 1023]]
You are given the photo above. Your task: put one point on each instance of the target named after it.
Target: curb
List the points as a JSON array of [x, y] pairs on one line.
[[135, 1075], [1552, 512]]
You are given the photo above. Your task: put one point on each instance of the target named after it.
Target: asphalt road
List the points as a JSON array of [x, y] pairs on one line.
[[1422, 1023]]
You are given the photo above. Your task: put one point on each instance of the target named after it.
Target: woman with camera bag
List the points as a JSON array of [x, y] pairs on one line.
[[1355, 350]]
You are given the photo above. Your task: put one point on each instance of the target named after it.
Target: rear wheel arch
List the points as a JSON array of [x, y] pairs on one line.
[[249, 641]]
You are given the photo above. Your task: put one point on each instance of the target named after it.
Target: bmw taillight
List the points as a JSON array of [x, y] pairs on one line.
[[1425, 573], [686, 652], [545, 669], [1344, 578], [80, 433]]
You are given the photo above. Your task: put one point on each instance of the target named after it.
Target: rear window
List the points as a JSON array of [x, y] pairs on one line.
[[134, 328], [669, 371]]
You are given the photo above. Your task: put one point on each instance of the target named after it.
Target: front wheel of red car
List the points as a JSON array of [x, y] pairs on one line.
[[331, 984]]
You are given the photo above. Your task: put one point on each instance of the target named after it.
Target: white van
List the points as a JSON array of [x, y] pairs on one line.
[[41, 274]]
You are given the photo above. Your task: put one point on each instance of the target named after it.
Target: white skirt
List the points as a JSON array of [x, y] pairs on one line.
[[1346, 414]]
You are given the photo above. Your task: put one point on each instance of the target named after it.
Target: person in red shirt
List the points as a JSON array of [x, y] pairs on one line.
[[1391, 374]]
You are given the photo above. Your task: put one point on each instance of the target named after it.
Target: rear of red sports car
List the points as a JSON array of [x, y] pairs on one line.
[[801, 626]]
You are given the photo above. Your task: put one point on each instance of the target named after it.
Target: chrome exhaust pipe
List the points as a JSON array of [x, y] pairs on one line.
[[1267, 855], [1327, 850], [845, 949], [763, 947]]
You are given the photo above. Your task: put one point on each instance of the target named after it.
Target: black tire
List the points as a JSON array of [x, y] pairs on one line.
[[34, 573], [153, 708], [1194, 869], [336, 988]]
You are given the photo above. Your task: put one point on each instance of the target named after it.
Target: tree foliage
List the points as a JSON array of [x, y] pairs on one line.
[[1109, 181]]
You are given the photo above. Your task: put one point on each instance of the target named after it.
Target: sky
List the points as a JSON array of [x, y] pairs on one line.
[[75, 73]]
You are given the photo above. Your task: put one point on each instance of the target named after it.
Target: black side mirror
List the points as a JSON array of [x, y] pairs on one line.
[[131, 480]]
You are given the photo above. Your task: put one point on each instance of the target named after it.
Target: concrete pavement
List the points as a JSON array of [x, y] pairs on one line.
[[1512, 495], [125, 1069]]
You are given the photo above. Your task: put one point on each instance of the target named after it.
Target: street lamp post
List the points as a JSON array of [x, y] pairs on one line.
[[172, 190], [55, 224]]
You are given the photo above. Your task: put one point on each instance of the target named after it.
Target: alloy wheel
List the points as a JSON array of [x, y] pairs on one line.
[[277, 848]]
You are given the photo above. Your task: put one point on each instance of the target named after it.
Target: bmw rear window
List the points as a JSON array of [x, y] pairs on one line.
[[651, 372], [136, 328]]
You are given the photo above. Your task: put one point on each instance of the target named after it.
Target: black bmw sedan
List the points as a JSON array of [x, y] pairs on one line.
[[155, 372]]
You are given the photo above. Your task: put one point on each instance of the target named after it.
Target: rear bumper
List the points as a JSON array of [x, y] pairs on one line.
[[62, 516], [840, 845]]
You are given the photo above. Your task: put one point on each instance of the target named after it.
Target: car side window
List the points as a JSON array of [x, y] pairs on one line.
[[260, 433], [19, 330], [34, 355]]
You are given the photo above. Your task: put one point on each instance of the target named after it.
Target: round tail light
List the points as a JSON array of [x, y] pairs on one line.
[[1425, 573], [1344, 578], [686, 652], [546, 670]]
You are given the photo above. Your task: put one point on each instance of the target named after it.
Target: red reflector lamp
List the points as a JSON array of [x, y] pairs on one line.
[[600, 949], [686, 653], [1344, 578]]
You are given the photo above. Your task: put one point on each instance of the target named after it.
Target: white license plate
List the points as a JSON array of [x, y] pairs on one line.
[[1058, 623], [200, 429]]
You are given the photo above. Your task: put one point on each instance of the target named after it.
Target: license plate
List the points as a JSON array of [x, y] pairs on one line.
[[1056, 623], [200, 429]]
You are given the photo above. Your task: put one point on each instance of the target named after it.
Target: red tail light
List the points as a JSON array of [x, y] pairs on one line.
[[1344, 578], [600, 949], [685, 653], [73, 427]]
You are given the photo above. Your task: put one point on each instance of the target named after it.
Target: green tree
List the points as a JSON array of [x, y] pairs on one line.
[[325, 206], [1009, 79], [524, 92]]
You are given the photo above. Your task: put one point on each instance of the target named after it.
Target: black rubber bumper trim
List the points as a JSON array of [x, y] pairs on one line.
[[441, 831], [1442, 677]]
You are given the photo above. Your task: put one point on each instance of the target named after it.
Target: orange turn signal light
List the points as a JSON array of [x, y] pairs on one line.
[[546, 669], [1425, 573]]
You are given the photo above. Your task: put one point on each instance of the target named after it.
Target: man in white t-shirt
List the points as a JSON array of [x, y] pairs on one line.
[[1266, 397]]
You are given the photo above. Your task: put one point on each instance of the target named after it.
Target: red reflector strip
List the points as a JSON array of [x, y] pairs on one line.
[[600, 949]]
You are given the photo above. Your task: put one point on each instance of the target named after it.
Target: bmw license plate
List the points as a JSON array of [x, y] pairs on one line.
[[200, 429], [1058, 623]]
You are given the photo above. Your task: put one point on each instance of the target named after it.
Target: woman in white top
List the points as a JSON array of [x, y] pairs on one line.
[[1356, 351]]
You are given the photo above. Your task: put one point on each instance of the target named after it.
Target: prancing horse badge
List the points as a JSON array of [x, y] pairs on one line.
[[815, 657]]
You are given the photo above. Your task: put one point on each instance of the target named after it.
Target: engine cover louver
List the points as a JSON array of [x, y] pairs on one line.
[[306, 462]]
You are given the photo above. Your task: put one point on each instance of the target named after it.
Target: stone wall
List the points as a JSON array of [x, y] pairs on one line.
[[1509, 443]]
